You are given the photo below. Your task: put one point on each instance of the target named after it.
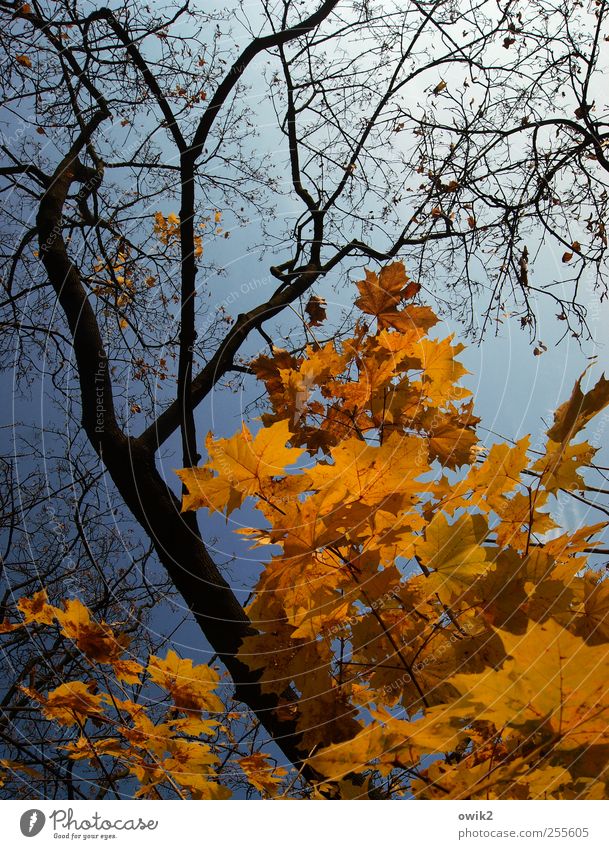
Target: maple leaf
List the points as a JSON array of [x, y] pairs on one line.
[[471, 779], [318, 609], [84, 748], [380, 294], [261, 774], [575, 413], [321, 363], [388, 743], [450, 440], [188, 756], [563, 547], [499, 474], [250, 462], [96, 640], [128, 671], [440, 368], [268, 368], [392, 537], [399, 345], [71, 703], [316, 310], [37, 609], [205, 489], [559, 465], [412, 319], [290, 382], [383, 475], [519, 517], [455, 553], [244, 465], [191, 687]]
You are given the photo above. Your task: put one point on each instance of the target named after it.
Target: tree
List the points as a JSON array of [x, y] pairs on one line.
[[120, 121], [403, 615]]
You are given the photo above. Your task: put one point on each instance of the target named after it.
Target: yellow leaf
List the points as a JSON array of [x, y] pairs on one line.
[[487, 484], [455, 552], [71, 703], [37, 609], [248, 462], [559, 466], [244, 465], [522, 512], [440, 368], [128, 671], [390, 744], [97, 640], [204, 489], [451, 440], [575, 413], [563, 547], [552, 681], [85, 748], [191, 687], [381, 476], [262, 774]]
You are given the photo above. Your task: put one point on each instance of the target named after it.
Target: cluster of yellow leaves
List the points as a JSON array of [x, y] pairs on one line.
[[167, 229], [114, 280], [422, 599], [119, 282], [190, 687], [173, 753], [167, 745], [97, 641]]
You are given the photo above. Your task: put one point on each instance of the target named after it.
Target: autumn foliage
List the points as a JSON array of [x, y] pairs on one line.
[[423, 618]]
